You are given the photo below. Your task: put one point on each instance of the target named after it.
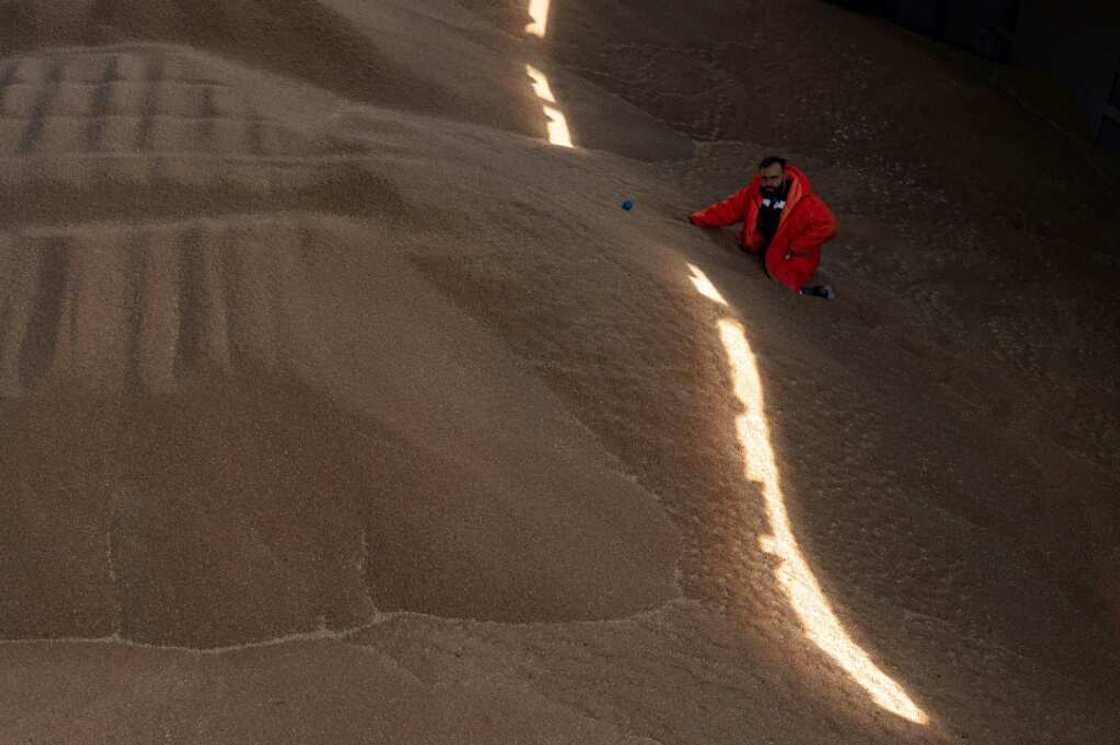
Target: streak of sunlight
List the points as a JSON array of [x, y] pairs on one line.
[[704, 286], [794, 575], [557, 128], [540, 84], [538, 11], [558, 133]]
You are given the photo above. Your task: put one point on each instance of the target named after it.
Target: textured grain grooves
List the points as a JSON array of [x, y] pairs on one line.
[[255, 134], [193, 302], [137, 251], [7, 77], [100, 106], [206, 123], [144, 309], [40, 307], [135, 103], [114, 193], [151, 104], [46, 96], [14, 311]]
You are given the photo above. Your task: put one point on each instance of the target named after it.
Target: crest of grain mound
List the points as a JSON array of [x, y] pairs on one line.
[[287, 37]]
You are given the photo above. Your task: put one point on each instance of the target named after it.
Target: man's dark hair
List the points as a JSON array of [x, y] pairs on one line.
[[770, 160]]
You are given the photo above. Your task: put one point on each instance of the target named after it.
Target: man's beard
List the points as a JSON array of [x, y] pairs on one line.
[[775, 191]]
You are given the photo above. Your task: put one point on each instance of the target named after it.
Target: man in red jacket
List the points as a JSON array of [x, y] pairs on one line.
[[783, 220]]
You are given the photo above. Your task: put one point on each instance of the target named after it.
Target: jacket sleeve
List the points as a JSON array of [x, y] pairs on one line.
[[820, 228], [728, 212]]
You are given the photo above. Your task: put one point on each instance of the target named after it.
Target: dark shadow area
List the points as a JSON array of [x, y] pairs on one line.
[[856, 93]]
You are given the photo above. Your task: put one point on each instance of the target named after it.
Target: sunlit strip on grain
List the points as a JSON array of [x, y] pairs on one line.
[[557, 128], [538, 11], [557, 123], [704, 286], [794, 575], [540, 84]]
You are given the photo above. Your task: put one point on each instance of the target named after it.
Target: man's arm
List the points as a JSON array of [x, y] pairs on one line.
[[728, 212], [820, 228]]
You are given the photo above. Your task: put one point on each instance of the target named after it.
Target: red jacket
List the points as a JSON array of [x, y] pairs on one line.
[[807, 223]]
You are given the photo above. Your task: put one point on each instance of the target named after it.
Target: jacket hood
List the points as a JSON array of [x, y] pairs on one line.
[[797, 175]]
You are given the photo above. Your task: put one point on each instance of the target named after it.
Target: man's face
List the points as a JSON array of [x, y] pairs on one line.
[[773, 176]]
